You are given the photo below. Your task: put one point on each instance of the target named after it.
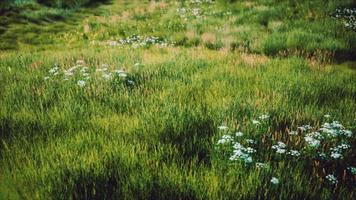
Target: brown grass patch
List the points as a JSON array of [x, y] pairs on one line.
[[253, 59]]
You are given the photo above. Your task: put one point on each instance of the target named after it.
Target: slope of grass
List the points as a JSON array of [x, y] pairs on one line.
[[124, 101]]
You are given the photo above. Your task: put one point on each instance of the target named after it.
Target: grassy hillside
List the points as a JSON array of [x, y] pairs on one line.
[[178, 100]]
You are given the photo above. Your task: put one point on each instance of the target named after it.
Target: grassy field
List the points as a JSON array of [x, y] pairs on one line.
[[178, 100]]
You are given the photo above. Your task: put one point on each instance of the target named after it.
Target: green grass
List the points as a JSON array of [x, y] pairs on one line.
[[155, 137]]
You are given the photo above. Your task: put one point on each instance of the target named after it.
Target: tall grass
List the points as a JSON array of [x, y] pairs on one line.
[[144, 125]]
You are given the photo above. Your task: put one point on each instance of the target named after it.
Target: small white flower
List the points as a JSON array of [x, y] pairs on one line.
[[107, 76], [312, 142], [294, 153], [336, 155], [281, 151], [101, 69], [261, 165], [225, 139], [293, 133], [274, 180], [327, 116], [223, 127], [122, 75], [46, 77], [250, 141], [263, 117], [53, 70], [239, 134], [81, 83], [331, 178], [80, 62], [256, 122], [131, 82], [352, 170]]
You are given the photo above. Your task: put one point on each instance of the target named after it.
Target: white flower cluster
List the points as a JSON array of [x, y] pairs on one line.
[[190, 12], [280, 147], [331, 178], [332, 140], [313, 139], [137, 41], [335, 129], [274, 180], [239, 152], [242, 153], [225, 139], [352, 170], [261, 165], [337, 152], [80, 72], [348, 17], [305, 127], [201, 1], [263, 117]]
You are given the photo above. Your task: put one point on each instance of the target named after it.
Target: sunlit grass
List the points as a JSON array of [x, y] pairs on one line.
[[134, 101]]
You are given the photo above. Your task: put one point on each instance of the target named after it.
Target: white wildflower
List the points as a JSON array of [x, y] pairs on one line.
[[81, 83], [274, 180], [223, 127], [256, 122], [331, 178], [239, 134]]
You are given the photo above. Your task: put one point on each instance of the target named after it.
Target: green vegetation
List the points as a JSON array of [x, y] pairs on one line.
[[129, 100]]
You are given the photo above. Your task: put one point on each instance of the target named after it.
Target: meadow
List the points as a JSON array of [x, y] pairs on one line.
[[198, 99]]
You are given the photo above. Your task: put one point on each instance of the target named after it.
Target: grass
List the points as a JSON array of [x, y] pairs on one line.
[[153, 133]]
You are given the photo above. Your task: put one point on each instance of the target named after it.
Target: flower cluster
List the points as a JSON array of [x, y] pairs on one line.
[[242, 153], [137, 41], [331, 142], [331, 178], [81, 73], [348, 16]]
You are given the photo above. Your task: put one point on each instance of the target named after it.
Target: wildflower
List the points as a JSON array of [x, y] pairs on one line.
[[122, 75], [261, 165], [305, 127], [331, 178], [336, 155], [131, 82], [223, 128], [53, 70], [250, 150], [312, 142], [327, 116], [274, 180], [81, 83], [46, 77], [84, 69], [250, 141], [256, 122], [352, 170], [101, 69], [346, 133], [263, 117], [294, 153], [80, 62], [107, 76], [225, 139], [239, 134], [323, 155], [293, 133], [281, 151], [68, 73]]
